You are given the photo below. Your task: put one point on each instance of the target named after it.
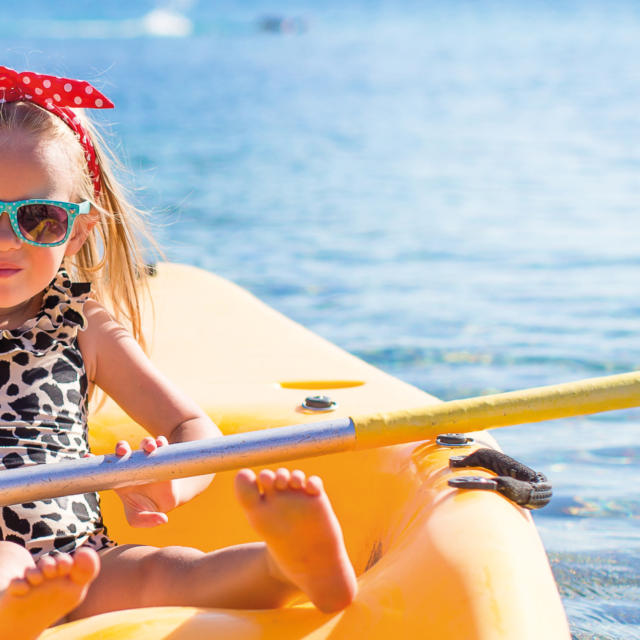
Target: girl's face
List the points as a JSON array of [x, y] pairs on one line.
[[31, 168]]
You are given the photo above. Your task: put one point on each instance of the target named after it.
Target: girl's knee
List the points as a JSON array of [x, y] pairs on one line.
[[169, 563], [14, 560], [165, 573], [11, 550]]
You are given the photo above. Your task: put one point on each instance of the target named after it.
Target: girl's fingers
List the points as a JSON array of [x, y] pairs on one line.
[[148, 519], [123, 448], [148, 444]]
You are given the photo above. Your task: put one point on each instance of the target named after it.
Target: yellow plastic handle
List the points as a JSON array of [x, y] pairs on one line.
[[487, 412]]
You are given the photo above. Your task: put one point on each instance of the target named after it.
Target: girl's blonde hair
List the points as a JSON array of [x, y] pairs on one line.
[[111, 258]]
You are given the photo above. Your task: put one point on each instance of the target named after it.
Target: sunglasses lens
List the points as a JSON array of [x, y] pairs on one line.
[[43, 223]]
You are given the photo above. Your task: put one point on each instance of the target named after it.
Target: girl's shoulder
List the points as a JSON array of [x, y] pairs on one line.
[[102, 335]]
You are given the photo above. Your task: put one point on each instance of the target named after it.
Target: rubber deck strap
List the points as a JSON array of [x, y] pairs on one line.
[[516, 481]]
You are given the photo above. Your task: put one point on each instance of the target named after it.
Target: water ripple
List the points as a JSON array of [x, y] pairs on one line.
[[601, 592], [590, 507]]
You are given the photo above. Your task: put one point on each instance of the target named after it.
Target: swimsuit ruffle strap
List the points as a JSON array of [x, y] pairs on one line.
[[63, 303], [59, 319]]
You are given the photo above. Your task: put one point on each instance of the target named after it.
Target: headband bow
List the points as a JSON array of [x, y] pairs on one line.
[[57, 95]]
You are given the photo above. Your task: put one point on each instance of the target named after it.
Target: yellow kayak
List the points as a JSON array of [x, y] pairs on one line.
[[433, 561]]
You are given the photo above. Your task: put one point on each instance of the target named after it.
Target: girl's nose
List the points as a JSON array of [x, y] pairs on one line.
[[8, 239]]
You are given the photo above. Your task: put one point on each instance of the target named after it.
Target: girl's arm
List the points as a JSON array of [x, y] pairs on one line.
[[116, 363]]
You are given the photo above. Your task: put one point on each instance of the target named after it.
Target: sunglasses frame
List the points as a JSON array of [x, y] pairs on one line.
[[73, 211]]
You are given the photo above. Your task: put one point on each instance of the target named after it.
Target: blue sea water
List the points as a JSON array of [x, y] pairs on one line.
[[449, 190]]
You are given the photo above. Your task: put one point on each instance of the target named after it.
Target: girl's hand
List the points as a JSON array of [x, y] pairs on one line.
[[146, 505]]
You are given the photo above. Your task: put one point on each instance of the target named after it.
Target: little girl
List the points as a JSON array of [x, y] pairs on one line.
[[67, 244]]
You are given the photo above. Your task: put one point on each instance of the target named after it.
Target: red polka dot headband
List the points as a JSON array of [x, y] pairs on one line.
[[57, 95]]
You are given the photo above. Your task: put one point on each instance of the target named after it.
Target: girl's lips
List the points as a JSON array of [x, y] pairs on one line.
[[6, 271]]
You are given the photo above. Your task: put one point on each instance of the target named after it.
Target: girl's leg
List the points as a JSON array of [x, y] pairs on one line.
[[293, 515], [35, 595], [304, 551], [134, 576]]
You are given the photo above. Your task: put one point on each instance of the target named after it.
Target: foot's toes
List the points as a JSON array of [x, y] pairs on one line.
[[34, 576], [64, 562], [85, 567], [266, 478], [46, 593], [18, 587], [314, 486], [297, 479], [281, 481], [247, 488], [48, 566]]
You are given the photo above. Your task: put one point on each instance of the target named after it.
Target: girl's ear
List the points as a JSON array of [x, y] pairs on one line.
[[80, 232]]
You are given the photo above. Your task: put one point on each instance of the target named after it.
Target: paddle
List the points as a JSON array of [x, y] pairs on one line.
[[257, 448]]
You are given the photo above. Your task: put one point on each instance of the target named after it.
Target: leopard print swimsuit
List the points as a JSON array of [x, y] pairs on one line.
[[43, 418]]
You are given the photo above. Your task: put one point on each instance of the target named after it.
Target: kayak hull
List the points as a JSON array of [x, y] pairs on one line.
[[432, 561]]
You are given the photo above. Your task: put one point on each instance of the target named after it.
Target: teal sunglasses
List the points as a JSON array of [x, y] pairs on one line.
[[43, 223]]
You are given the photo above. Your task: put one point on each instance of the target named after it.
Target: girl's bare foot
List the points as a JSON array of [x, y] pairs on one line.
[[293, 515], [46, 593]]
